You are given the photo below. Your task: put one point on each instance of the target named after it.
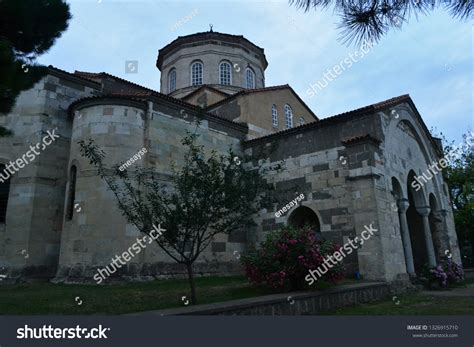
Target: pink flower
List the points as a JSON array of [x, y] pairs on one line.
[[292, 242]]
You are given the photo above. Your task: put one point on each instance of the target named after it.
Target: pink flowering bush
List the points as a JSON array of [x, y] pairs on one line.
[[438, 276], [453, 271], [445, 274], [286, 256]]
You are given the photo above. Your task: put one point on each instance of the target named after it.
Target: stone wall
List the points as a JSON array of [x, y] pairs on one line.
[[121, 128], [336, 181], [344, 167], [298, 303], [30, 238]]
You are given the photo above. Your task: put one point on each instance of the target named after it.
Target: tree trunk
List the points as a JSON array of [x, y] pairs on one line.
[[189, 267]]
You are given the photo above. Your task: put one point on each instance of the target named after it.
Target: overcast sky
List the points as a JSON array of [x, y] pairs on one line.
[[430, 58]]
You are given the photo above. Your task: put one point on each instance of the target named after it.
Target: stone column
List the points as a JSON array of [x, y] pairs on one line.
[[444, 229], [440, 235], [424, 213], [403, 205]]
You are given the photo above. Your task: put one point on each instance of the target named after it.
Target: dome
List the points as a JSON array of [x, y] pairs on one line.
[[226, 62]]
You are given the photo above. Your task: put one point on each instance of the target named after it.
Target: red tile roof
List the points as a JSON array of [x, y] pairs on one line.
[[342, 117], [143, 93]]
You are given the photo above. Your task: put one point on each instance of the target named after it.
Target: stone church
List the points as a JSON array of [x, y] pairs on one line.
[[59, 220]]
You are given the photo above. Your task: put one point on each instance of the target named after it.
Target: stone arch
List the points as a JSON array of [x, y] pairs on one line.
[[407, 126], [302, 216], [415, 189], [434, 181]]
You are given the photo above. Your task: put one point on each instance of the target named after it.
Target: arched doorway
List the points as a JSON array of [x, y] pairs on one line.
[[302, 216]]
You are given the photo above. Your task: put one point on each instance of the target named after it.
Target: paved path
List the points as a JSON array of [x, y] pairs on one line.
[[467, 291]]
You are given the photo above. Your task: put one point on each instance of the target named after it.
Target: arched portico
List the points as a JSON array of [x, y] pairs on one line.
[[417, 189]]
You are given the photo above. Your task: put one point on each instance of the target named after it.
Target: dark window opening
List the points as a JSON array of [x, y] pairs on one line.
[[4, 193], [71, 193]]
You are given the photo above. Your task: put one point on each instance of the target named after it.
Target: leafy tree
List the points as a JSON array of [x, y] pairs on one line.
[[369, 20], [459, 176], [28, 28], [205, 197]]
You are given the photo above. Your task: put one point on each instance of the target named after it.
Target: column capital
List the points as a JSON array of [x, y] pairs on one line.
[[403, 205], [424, 211]]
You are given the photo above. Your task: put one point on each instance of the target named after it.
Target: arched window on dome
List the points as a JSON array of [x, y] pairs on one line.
[[172, 80], [274, 116], [196, 73], [225, 73], [250, 78], [301, 121], [288, 116]]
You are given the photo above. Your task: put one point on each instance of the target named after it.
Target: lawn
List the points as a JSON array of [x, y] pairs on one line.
[[49, 298], [420, 303], [413, 304]]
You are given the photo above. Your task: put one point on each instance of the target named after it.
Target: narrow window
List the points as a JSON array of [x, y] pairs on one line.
[[72, 192], [4, 192], [225, 73], [196, 73], [288, 117], [301, 121], [172, 80], [250, 78], [274, 116]]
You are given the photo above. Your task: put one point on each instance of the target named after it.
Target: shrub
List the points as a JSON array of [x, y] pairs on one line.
[[454, 271], [436, 276], [445, 274], [286, 256]]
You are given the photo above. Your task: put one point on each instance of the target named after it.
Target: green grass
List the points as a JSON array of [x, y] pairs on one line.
[[49, 298], [414, 304]]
